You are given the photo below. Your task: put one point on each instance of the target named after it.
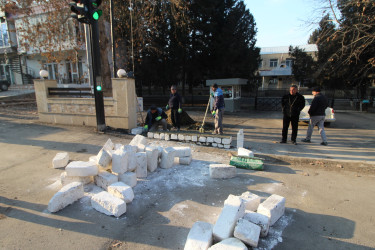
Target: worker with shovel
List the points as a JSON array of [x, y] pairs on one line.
[[218, 109]]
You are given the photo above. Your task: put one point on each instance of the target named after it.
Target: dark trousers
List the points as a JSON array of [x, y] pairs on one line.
[[294, 121], [175, 117]]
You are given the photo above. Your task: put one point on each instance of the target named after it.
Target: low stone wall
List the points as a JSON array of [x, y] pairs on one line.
[[219, 141], [120, 110]]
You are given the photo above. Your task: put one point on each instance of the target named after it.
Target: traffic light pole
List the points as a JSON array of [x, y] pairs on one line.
[[95, 56]]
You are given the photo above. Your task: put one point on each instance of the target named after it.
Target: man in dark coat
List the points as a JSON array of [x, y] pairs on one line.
[[317, 114], [291, 104], [155, 117], [218, 108], [174, 104]]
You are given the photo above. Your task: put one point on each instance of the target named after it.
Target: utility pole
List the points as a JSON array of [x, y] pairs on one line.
[[97, 80], [112, 40], [86, 11]]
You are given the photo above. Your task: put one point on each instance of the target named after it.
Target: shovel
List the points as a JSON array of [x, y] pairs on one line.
[[201, 129]]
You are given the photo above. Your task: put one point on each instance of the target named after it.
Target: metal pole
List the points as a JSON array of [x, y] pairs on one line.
[[111, 4], [88, 54], [95, 51]]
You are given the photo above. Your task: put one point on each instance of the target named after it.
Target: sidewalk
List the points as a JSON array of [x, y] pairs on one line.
[[347, 141]]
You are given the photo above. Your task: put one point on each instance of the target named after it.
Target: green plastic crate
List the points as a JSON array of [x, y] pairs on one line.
[[252, 163]]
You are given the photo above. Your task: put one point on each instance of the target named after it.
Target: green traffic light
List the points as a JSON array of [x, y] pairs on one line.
[[99, 88], [97, 14]]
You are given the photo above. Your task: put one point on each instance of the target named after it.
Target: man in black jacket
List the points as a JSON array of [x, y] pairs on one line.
[[155, 117], [291, 104], [174, 104], [317, 114]]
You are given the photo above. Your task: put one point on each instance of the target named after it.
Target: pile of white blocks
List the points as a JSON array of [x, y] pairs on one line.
[[115, 169], [218, 141], [241, 222]]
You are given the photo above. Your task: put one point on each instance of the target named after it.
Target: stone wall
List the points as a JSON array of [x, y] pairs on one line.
[[120, 110]]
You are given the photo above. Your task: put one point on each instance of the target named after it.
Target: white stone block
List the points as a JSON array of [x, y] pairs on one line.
[[108, 145], [152, 158], [82, 168], [162, 136], [181, 137], [122, 191], [138, 139], [217, 140], [167, 137], [132, 162], [120, 161], [156, 136], [185, 160], [260, 220], [247, 232], [214, 145], [251, 201], [220, 145], [234, 208], [226, 146], [66, 196], [240, 139], [65, 179], [245, 152], [226, 141], [182, 151], [273, 207], [200, 236], [222, 171], [137, 131], [167, 157], [129, 178], [150, 135], [108, 204], [141, 170], [194, 138], [229, 244], [202, 139], [104, 158], [60, 160], [104, 179], [210, 139], [174, 137], [187, 138]]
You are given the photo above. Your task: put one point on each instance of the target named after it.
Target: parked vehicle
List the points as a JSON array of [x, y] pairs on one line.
[[304, 116], [4, 85]]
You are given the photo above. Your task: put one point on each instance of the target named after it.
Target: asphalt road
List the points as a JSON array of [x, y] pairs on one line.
[[328, 190]]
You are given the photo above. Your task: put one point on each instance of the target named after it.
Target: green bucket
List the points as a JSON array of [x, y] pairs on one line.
[[252, 163]]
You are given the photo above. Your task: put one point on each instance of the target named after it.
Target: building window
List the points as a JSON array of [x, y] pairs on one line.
[[4, 39], [260, 64], [289, 62], [273, 63]]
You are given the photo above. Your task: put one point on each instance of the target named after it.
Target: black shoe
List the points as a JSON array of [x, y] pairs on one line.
[[305, 140], [294, 142], [282, 141], [324, 143]]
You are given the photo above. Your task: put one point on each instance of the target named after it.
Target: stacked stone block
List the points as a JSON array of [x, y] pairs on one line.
[[237, 227], [114, 169], [200, 139]]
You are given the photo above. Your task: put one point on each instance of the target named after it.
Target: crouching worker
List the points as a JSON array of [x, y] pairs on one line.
[[155, 117]]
